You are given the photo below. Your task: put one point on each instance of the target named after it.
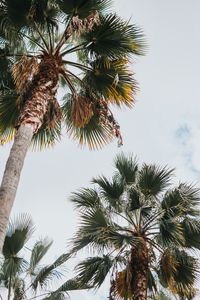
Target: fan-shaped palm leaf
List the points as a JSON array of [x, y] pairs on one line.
[[18, 233], [113, 38], [152, 179], [94, 270], [40, 248], [82, 8]]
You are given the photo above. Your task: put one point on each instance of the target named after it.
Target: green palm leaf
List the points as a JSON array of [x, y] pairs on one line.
[[29, 13], [171, 233], [113, 80], [9, 113], [110, 190], [94, 270], [191, 229], [40, 248], [18, 233], [85, 198], [49, 273], [127, 168], [83, 8], [152, 179], [113, 38]]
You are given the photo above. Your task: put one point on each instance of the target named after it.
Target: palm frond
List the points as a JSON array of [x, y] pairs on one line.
[[113, 80], [9, 114], [153, 180], [73, 284], [127, 168], [110, 190], [13, 266], [85, 198], [181, 273], [50, 131], [94, 270], [18, 233], [49, 273], [114, 38], [40, 248], [82, 8], [191, 198], [30, 12], [18, 288], [94, 134], [171, 233], [191, 229], [6, 81]]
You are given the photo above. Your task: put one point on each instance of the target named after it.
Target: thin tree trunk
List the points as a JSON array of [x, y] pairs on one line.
[[139, 270], [11, 176], [40, 93]]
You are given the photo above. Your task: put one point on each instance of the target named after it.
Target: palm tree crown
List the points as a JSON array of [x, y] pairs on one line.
[[40, 43], [21, 272], [141, 231]]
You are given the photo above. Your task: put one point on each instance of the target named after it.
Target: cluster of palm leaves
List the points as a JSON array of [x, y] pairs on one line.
[[21, 273], [87, 50], [142, 231]]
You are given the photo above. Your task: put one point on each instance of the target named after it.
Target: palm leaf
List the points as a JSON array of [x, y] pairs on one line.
[[171, 233], [182, 200], [94, 270], [114, 38], [82, 8], [113, 80], [13, 266], [127, 168], [40, 248], [110, 190], [191, 229], [85, 198], [94, 134], [49, 273], [18, 233], [153, 180], [9, 113], [29, 12]]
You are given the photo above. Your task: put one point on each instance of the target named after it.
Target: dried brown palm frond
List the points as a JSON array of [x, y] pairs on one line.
[[54, 113], [23, 72], [78, 26], [82, 111], [121, 286], [106, 118]]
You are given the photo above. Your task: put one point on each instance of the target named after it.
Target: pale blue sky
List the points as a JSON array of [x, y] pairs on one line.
[[164, 126]]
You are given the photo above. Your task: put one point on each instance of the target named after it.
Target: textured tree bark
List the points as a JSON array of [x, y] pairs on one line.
[[139, 266], [40, 92], [12, 175]]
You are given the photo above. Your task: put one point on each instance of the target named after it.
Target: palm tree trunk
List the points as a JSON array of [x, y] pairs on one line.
[[139, 270], [40, 93], [12, 175]]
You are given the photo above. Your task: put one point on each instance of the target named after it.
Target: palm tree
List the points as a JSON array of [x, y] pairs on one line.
[[26, 278], [141, 231], [50, 34]]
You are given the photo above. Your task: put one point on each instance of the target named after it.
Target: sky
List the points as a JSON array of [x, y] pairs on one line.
[[163, 127]]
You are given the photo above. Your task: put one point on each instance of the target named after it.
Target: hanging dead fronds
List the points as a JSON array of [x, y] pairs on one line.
[[54, 113], [82, 111], [78, 26], [106, 118], [23, 72]]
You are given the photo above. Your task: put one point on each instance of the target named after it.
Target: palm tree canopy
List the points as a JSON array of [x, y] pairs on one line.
[[22, 272], [88, 48], [138, 211]]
